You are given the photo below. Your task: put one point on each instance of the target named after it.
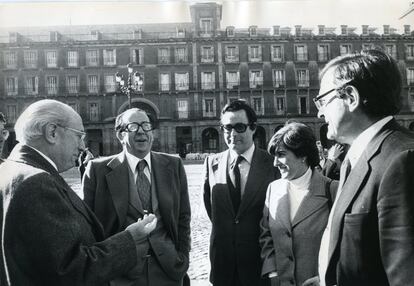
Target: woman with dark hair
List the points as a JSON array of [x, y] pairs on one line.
[[296, 208]]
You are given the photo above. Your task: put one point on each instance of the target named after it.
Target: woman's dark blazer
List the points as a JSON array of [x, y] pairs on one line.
[[291, 248]]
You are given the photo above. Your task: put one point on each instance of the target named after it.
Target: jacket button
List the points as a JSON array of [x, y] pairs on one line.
[[236, 221], [290, 258], [291, 281], [288, 234]]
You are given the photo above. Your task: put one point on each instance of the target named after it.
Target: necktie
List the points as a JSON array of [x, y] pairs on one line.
[[144, 186], [237, 188]]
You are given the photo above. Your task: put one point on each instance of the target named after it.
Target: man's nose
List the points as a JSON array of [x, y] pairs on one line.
[[276, 161]]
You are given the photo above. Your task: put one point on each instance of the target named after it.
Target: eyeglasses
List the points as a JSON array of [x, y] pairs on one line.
[[79, 132], [320, 103], [238, 127], [134, 126]]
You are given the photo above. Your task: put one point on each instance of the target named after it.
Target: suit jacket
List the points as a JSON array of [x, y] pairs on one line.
[[372, 233], [49, 236], [291, 248], [234, 243], [106, 191]]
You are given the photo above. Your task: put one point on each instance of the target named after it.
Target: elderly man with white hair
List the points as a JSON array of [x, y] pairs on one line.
[[49, 236]]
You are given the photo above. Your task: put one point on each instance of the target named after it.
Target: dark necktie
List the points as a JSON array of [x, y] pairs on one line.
[[237, 188], [144, 186]]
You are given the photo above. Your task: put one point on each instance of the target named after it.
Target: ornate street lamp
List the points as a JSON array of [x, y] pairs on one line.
[[133, 84]]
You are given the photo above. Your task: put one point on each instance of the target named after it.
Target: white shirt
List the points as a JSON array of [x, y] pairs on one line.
[[298, 189], [244, 166], [133, 163], [46, 157], [354, 153]]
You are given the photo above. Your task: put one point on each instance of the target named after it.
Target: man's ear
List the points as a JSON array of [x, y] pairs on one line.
[[120, 135], [353, 97], [50, 133]]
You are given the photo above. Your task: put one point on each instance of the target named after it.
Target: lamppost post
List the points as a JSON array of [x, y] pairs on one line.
[[133, 83]]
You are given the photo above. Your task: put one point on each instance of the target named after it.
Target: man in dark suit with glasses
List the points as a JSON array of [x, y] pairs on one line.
[[235, 183], [123, 188]]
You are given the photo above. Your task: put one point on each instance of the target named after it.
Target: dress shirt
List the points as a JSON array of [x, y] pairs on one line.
[[46, 157], [244, 166], [133, 163], [298, 189], [354, 153]]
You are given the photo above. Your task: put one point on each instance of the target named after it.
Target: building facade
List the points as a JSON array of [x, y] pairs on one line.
[[188, 72]]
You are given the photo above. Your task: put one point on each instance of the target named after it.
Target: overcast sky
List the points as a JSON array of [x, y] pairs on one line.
[[241, 14]]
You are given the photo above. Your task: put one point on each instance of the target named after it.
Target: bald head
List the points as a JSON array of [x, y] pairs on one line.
[[31, 123]]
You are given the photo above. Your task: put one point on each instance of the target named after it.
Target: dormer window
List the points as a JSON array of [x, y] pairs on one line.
[[206, 26], [253, 31], [365, 30], [230, 31], [276, 30]]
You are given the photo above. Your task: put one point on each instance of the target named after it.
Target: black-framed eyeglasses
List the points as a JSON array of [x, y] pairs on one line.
[[134, 126], [81, 134], [238, 127], [319, 101]]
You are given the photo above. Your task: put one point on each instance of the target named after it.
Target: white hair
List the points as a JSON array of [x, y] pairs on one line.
[[31, 123]]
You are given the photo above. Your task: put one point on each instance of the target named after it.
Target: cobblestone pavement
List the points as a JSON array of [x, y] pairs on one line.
[[200, 224]]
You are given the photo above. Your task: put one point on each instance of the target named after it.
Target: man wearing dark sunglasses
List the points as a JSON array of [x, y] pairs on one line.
[[369, 238], [235, 184], [123, 188], [4, 134]]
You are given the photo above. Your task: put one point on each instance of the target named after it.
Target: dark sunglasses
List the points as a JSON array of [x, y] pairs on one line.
[[134, 126], [238, 127]]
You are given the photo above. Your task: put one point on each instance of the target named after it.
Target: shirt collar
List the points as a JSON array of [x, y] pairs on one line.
[[44, 156], [133, 161], [363, 139], [247, 155], [303, 182]]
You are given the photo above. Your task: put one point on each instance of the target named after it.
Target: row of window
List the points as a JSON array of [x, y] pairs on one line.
[[93, 111], [207, 55], [181, 81]]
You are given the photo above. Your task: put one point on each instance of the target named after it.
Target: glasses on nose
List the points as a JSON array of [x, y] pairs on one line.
[[238, 127], [321, 102], [134, 126], [81, 134]]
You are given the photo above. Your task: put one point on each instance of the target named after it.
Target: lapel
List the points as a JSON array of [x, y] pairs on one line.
[[219, 167], [281, 205], [313, 201], [354, 184], [164, 183], [257, 174], [24, 154], [118, 184]]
